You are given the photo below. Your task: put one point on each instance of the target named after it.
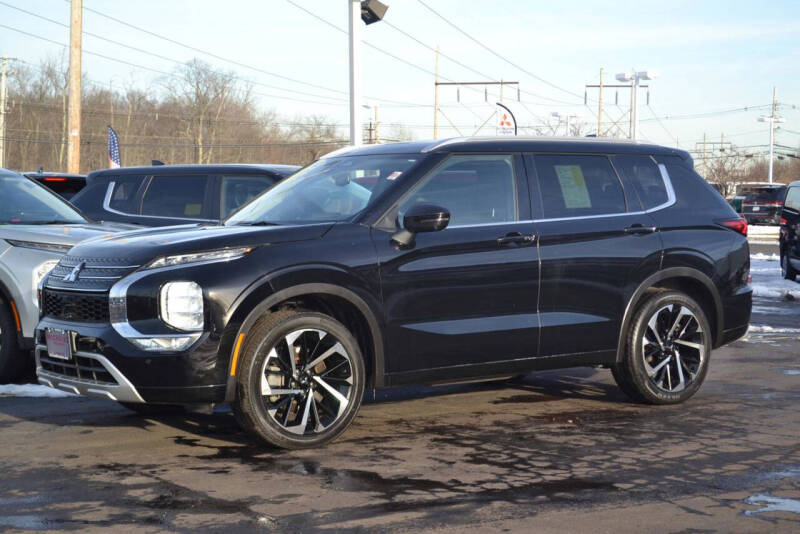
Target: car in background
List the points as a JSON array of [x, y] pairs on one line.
[[789, 238], [37, 227], [66, 185], [165, 195], [763, 204]]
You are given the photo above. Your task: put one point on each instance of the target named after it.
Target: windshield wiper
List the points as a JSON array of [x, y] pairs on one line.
[[264, 223]]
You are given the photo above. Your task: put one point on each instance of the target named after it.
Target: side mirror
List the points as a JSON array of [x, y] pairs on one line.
[[421, 218]]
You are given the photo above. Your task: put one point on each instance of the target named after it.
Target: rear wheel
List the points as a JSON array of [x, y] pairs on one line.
[[668, 350], [300, 380], [788, 272], [12, 361]]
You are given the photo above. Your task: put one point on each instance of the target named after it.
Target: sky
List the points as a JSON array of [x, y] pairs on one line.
[[711, 57]]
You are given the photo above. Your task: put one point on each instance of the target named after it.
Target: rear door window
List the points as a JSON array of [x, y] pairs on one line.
[[643, 174], [181, 196], [123, 194], [578, 186], [239, 190]]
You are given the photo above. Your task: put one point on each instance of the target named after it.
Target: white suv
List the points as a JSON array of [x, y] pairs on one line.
[[36, 228]]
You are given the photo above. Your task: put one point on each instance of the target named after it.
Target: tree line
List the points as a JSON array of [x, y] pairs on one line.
[[199, 114]]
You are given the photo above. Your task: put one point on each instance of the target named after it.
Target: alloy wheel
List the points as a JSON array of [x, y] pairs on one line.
[[673, 348], [307, 381]]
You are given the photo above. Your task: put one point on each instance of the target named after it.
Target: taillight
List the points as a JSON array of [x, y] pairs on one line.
[[737, 225], [775, 203], [784, 221], [55, 179]]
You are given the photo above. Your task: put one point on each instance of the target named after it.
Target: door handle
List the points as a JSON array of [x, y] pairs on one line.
[[515, 238], [638, 229]]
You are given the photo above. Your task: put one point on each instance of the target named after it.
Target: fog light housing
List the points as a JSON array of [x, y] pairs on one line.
[[181, 305]]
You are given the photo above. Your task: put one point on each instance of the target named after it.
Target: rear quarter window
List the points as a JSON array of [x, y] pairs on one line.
[[645, 177]]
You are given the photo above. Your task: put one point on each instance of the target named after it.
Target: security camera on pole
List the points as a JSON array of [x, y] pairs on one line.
[[634, 78], [369, 11]]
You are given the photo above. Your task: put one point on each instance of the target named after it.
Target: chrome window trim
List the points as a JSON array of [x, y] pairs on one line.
[[107, 207], [671, 199]]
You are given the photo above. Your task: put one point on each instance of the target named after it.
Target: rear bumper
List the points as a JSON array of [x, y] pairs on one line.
[[772, 218], [736, 309]]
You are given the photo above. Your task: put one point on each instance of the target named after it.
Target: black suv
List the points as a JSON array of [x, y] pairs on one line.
[[763, 204], [790, 233], [165, 195], [409, 263], [65, 185]]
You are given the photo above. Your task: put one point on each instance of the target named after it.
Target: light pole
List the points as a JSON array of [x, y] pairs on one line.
[[635, 77], [369, 11], [772, 120]]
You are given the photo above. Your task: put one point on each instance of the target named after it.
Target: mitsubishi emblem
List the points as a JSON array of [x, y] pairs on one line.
[[73, 275]]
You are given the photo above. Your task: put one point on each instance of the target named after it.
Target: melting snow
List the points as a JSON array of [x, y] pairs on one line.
[[772, 504], [31, 390]]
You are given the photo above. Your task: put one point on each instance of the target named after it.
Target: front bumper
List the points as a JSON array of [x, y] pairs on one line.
[[106, 365]]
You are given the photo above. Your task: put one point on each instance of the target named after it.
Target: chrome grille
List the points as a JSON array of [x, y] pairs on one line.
[[96, 274]]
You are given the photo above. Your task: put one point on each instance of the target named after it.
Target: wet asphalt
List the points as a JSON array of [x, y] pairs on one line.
[[558, 451]]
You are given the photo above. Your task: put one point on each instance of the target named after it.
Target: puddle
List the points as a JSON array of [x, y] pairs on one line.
[[771, 504]]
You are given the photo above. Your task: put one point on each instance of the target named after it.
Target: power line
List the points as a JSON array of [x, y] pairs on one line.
[[479, 43]]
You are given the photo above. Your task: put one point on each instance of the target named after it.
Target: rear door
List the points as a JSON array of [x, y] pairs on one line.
[[790, 230], [596, 244], [179, 199]]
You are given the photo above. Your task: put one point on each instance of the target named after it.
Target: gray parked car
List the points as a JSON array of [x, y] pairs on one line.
[[36, 228]]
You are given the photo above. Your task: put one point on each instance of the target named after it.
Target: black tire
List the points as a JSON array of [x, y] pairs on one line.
[[152, 410], [788, 272], [667, 354], [273, 331], [12, 360]]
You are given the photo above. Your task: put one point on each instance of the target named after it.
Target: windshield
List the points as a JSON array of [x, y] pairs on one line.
[[24, 202], [328, 190]]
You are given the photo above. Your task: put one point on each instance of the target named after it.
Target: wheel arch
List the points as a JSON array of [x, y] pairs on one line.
[[344, 304], [686, 279]]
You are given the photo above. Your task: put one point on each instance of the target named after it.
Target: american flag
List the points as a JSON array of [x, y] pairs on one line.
[[114, 161]]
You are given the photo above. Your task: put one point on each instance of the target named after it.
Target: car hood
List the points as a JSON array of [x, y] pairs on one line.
[[60, 234], [142, 246]]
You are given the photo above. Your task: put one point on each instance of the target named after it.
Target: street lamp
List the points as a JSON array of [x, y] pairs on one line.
[[370, 11], [634, 78], [772, 120]]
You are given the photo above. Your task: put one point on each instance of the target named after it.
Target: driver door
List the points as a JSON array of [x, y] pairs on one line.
[[464, 297]]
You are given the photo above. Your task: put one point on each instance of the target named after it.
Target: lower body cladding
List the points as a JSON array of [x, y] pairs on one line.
[[101, 363]]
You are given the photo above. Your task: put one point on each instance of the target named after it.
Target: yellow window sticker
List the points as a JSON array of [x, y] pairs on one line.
[[573, 186], [193, 209]]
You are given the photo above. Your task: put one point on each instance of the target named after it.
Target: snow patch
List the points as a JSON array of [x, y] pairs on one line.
[[768, 281], [754, 328], [772, 504], [760, 256], [791, 372], [31, 390]]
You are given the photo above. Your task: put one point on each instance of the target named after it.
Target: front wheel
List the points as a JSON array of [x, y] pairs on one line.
[[300, 380], [787, 271], [667, 352], [12, 361]]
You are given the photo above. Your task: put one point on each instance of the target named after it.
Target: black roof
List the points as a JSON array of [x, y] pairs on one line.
[[532, 144], [207, 168]]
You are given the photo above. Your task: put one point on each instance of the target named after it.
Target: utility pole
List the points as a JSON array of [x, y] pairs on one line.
[[772, 119], [3, 106], [74, 138], [354, 21], [600, 107], [436, 98], [635, 78], [377, 137]]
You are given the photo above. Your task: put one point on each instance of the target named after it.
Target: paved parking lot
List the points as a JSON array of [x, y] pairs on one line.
[[558, 451]]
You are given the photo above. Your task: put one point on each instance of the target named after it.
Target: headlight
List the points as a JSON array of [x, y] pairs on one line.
[[211, 256], [181, 305], [38, 275]]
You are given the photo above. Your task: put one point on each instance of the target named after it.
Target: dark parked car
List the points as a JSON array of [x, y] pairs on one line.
[[408, 263], [165, 195], [66, 185], [763, 204], [789, 238]]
